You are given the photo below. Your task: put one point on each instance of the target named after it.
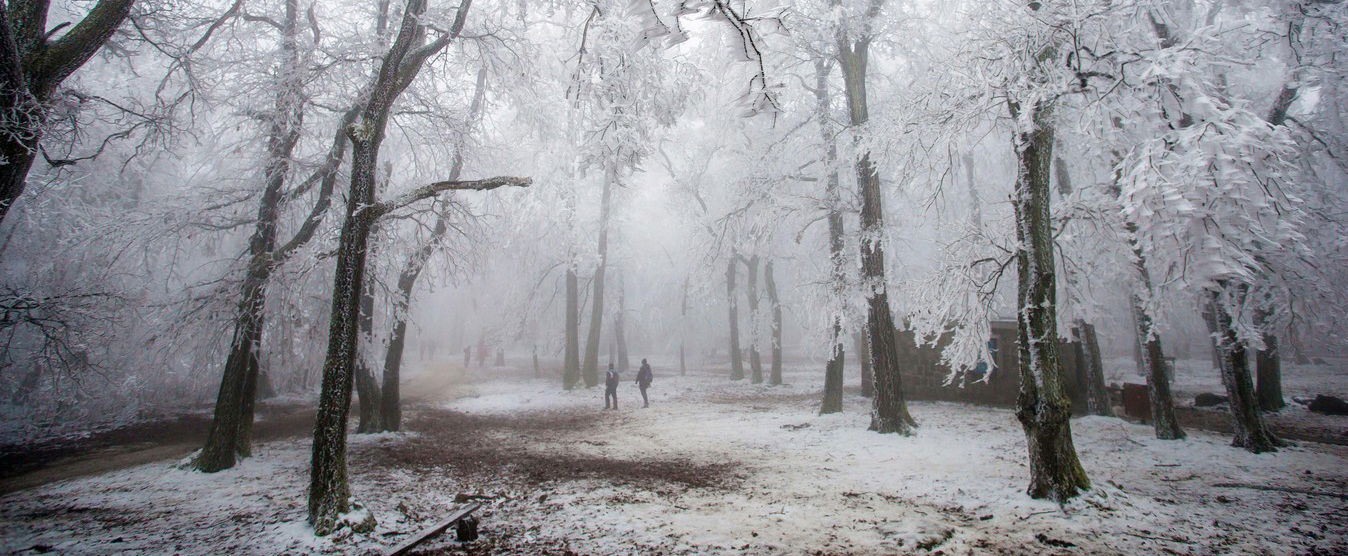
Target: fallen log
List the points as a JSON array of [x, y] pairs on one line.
[[459, 515]]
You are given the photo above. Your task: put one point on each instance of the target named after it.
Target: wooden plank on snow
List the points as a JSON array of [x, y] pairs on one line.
[[434, 530]]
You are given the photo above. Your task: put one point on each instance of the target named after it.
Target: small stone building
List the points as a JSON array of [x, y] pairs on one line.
[[924, 377]]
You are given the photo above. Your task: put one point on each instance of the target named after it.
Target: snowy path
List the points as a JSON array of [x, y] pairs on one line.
[[714, 467]]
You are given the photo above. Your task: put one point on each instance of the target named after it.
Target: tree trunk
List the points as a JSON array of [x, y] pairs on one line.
[[1248, 422], [1097, 398], [683, 328], [1043, 408], [1268, 368], [861, 341], [775, 377], [619, 335], [755, 360], [590, 372], [1147, 352], [329, 491], [736, 361], [230, 433], [889, 411], [571, 364], [390, 406], [833, 369], [1154, 366], [367, 388]]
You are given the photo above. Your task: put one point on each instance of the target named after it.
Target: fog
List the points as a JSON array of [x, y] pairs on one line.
[[227, 212]]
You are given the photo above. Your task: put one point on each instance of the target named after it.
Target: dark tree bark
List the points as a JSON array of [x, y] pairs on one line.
[[230, 433], [1154, 366], [390, 407], [32, 66], [590, 372], [775, 376], [1043, 408], [889, 411], [367, 388], [1247, 420], [329, 491], [833, 369], [736, 358], [1268, 368], [751, 290], [861, 341], [1097, 398]]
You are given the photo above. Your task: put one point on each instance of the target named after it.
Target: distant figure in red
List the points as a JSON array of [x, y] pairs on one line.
[[482, 353]]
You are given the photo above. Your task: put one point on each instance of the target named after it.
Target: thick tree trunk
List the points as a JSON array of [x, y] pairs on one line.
[[230, 433], [775, 376], [833, 369], [590, 372], [329, 491], [755, 360], [571, 362], [736, 358], [1097, 398], [367, 388], [1247, 420], [1268, 369], [889, 411], [1043, 408]]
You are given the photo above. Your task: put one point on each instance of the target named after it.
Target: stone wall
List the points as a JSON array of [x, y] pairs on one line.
[[925, 378]]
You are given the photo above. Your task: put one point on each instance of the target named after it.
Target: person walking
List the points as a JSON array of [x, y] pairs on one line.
[[644, 378], [467, 356], [611, 387]]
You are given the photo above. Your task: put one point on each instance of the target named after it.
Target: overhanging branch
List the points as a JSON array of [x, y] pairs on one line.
[[426, 191]]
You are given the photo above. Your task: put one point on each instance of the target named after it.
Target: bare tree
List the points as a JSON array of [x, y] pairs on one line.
[[329, 491], [736, 357], [833, 369], [390, 405], [32, 66], [889, 411], [751, 293], [775, 305], [590, 370]]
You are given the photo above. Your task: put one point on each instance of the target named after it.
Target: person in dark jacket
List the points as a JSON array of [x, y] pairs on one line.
[[611, 387], [644, 378]]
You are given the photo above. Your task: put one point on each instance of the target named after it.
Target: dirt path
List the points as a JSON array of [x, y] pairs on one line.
[[23, 467], [28, 466]]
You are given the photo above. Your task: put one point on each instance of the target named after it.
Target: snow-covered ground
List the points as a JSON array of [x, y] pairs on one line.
[[714, 466]]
